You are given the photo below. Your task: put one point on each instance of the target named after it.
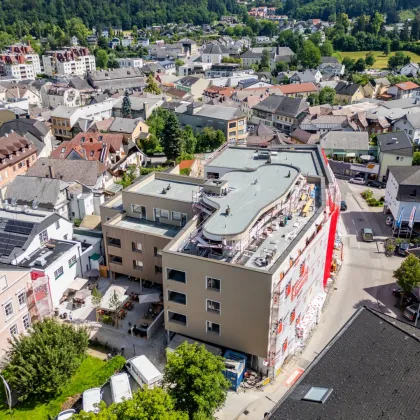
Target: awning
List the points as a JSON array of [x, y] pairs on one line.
[[78, 283], [82, 294], [350, 154], [151, 298]]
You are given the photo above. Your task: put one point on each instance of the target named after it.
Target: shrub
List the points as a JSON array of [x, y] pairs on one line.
[[366, 194]]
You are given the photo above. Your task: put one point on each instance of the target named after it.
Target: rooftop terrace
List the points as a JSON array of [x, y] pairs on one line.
[[149, 227]]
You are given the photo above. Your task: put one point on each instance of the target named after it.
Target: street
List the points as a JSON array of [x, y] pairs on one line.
[[365, 279]]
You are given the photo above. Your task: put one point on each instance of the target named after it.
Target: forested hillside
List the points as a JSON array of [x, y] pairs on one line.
[[123, 13]]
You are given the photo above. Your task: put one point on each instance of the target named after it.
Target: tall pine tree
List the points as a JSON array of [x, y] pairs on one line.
[[172, 137], [126, 106]]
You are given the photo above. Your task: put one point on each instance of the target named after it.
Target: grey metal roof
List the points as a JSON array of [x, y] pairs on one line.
[[25, 125], [188, 81], [26, 189], [137, 103], [123, 125], [348, 89], [346, 140], [395, 142], [406, 175], [371, 366], [215, 49], [414, 119], [329, 60], [218, 112], [63, 111]]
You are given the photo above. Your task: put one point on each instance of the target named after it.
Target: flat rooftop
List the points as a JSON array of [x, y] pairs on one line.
[[180, 191], [241, 158], [149, 227], [53, 250], [116, 203], [250, 192]]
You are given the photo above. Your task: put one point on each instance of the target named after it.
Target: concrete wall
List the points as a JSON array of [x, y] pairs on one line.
[[388, 159]]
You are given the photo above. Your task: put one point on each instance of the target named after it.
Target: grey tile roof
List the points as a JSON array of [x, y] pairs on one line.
[[25, 125], [394, 142], [283, 105], [414, 119], [188, 81], [406, 175], [345, 140], [26, 189], [344, 88], [84, 171], [123, 125], [215, 49], [329, 60], [371, 366], [64, 111]]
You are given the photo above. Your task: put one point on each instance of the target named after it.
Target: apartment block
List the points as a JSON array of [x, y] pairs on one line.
[[244, 253], [134, 62], [20, 62], [72, 60]]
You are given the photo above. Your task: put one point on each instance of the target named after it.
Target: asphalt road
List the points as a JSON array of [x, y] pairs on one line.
[[365, 279]]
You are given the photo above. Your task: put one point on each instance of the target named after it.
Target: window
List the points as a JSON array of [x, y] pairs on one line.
[[72, 261], [139, 209], [21, 299], [14, 168], [8, 309], [177, 297], [14, 330], [232, 124], [157, 252], [115, 259], [213, 284], [213, 306], [43, 237], [136, 247], [3, 282], [410, 131], [176, 275], [158, 269], [177, 318], [57, 224], [138, 265], [58, 273], [213, 327], [26, 320], [413, 193]]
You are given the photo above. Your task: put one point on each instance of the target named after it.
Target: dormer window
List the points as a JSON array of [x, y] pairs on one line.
[[83, 139]]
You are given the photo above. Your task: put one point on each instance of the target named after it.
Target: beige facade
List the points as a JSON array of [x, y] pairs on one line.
[[391, 159]]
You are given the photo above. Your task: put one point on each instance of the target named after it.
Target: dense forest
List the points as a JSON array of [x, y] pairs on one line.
[[121, 13]]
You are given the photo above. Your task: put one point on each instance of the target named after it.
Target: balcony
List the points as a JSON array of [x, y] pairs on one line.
[[177, 297], [115, 260], [177, 318]]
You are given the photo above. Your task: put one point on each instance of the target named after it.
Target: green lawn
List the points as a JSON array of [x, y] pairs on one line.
[[92, 372], [381, 59]]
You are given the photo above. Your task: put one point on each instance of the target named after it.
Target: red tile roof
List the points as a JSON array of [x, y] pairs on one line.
[[407, 85], [186, 164], [298, 88]]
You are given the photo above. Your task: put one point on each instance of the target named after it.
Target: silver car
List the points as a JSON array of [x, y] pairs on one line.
[[359, 181]]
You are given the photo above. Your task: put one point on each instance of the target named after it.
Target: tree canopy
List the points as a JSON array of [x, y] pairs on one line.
[[195, 380], [38, 365], [408, 274]]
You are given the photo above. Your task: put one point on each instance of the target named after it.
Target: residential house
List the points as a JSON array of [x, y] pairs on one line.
[[37, 132], [381, 86], [189, 45], [228, 119], [301, 90], [74, 41], [253, 83], [16, 92], [217, 92], [331, 66], [348, 93], [15, 318], [92, 40], [410, 70], [262, 135], [403, 90], [50, 194], [300, 136], [134, 62], [410, 124], [17, 154], [20, 61], [109, 149], [131, 129], [141, 107], [114, 43], [368, 343], [402, 193], [124, 78], [193, 85], [44, 243], [226, 70], [73, 60], [394, 149], [127, 41], [93, 175], [54, 95], [323, 123], [345, 145], [214, 53], [281, 112], [307, 76]]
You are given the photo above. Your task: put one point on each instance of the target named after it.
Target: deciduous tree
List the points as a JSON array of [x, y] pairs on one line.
[[152, 86], [39, 364], [326, 95], [408, 274], [310, 55], [101, 59], [195, 380]]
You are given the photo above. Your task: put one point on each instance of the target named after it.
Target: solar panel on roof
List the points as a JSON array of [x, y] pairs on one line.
[[16, 226], [9, 241]]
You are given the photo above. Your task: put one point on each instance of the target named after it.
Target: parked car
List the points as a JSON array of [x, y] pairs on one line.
[[343, 206], [367, 235], [402, 249], [389, 221], [408, 299], [66, 414], [410, 312], [359, 181], [376, 184]]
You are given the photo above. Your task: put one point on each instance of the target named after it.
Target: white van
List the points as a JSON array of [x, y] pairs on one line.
[[90, 398], [120, 387], [144, 371]]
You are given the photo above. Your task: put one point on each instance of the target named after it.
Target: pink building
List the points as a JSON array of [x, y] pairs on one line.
[[14, 314]]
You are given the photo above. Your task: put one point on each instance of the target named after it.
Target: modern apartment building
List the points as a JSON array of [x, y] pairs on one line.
[[20, 61], [245, 252], [72, 60]]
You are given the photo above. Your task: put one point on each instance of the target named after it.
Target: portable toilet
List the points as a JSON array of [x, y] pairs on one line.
[[235, 364]]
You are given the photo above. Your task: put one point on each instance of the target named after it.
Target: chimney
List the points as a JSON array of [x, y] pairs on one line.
[[145, 109], [51, 171]]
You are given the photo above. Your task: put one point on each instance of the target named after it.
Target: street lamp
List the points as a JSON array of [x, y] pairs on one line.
[[8, 394]]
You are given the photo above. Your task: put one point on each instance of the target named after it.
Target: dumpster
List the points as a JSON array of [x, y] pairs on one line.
[[235, 364]]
